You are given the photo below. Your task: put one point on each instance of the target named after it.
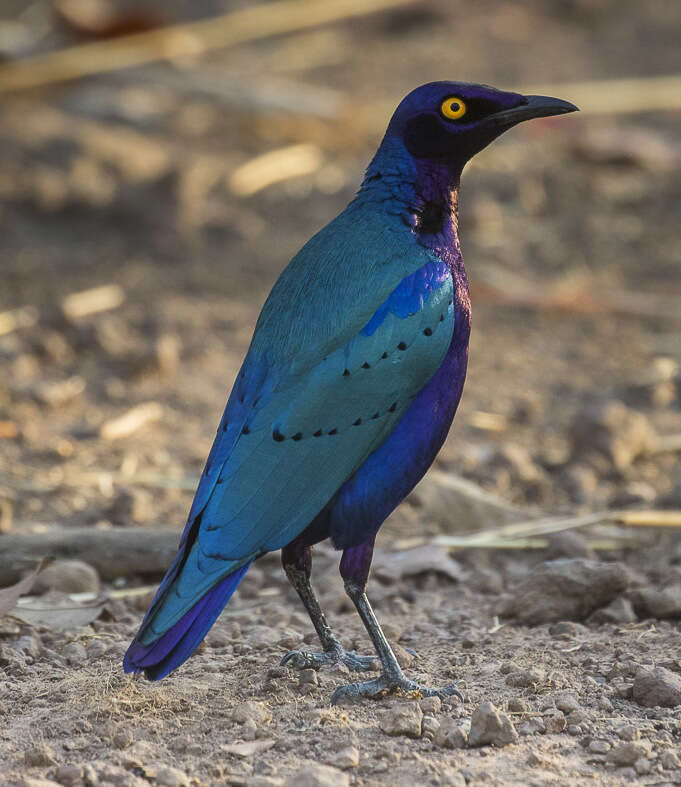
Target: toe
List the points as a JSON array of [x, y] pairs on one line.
[[297, 659]]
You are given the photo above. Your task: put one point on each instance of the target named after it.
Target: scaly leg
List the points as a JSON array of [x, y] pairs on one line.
[[354, 569], [297, 562]]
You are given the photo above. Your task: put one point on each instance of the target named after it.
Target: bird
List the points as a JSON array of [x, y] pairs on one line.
[[346, 394]]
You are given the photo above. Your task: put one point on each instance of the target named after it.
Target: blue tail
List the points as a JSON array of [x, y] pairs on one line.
[[178, 643]]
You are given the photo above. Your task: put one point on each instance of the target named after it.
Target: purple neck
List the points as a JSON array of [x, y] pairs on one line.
[[434, 210], [423, 192]]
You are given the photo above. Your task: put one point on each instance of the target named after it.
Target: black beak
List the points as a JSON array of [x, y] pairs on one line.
[[534, 107]]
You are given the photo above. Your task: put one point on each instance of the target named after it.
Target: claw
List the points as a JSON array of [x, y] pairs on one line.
[[383, 685]]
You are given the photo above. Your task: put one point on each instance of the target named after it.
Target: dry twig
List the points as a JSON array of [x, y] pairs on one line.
[[183, 40]]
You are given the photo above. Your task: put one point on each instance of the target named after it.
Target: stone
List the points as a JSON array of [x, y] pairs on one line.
[[567, 702], [620, 610], [171, 777], [431, 705], [28, 645], [628, 732], [599, 747], [533, 726], [345, 758], [308, 676], [75, 654], [518, 705], [490, 726], [250, 709], [402, 719], [451, 735], [643, 766], [429, 727], [664, 604], [555, 723], [628, 753], [658, 686], [566, 589], [404, 658], [315, 775], [67, 576]]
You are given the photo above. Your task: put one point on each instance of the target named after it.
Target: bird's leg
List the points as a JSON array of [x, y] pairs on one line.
[[354, 569], [297, 562]]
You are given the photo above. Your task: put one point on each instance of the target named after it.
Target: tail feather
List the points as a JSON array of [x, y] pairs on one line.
[[176, 645]]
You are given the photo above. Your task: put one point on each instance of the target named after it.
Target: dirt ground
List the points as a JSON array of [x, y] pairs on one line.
[[134, 181]]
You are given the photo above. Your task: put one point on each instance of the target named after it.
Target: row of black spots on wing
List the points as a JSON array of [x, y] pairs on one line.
[[427, 331], [278, 437]]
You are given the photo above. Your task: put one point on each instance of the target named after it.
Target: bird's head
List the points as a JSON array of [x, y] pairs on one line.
[[449, 122]]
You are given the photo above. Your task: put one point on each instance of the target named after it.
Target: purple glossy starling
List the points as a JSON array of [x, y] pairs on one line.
[[347, 392]]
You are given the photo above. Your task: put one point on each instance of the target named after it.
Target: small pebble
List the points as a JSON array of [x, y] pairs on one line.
[[518, 705], [526, 678], [402, 719], [628, 732], [628, 753], [555, 723], [315, 775], [657, 686], [68, 576], [251, 710], [429, 727], [567, 702], [450, 735], [490, 726], [431, 705], [345, 758], [599, 747], [171, 777]]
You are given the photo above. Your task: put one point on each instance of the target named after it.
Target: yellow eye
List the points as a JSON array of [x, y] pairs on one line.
[[453, 108]]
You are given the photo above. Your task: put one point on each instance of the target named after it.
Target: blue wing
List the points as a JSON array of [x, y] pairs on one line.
[[291, 436]]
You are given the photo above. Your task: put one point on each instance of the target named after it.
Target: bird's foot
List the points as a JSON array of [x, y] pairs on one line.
[[391, 684], [302, 659]]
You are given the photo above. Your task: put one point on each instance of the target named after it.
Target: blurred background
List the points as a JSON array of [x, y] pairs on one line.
[[145, 212]]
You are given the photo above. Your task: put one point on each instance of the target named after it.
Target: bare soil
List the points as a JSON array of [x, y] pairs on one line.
[[570, 232]]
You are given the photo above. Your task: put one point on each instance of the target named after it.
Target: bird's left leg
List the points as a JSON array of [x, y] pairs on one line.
[[297, 563], [354, 568]]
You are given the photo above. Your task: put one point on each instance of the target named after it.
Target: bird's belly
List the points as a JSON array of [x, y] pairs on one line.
[[362, 504]]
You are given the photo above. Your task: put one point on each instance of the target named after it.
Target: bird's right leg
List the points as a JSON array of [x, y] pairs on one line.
[[297, 562]]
